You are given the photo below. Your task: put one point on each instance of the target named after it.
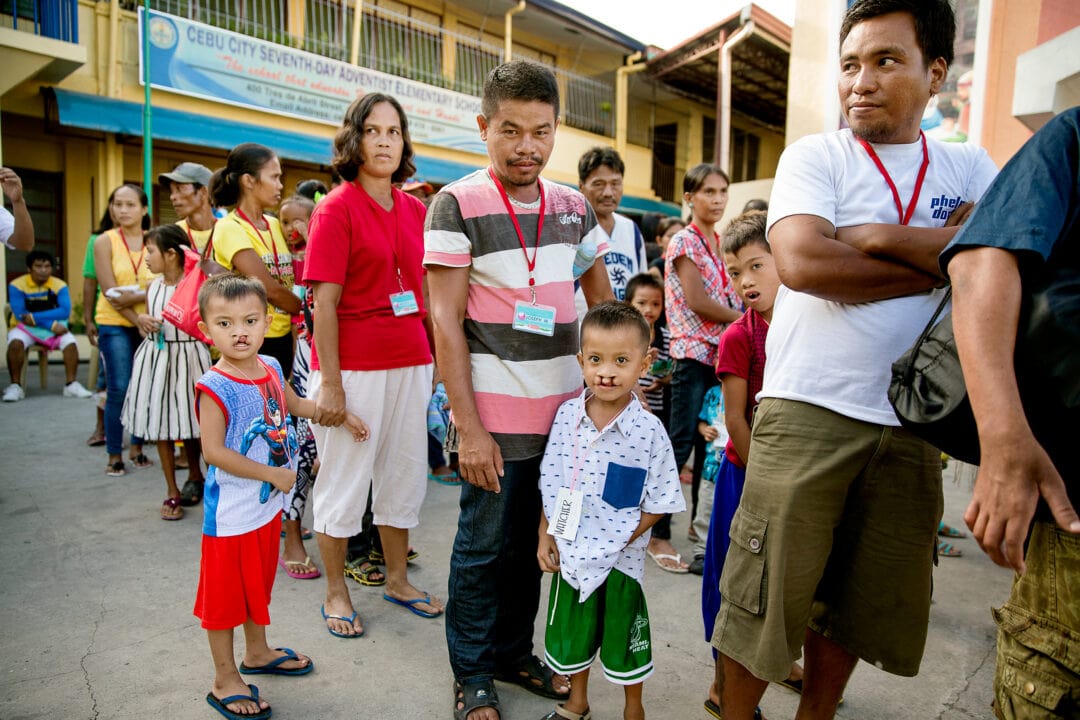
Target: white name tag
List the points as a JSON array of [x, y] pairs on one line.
[[536, 319], [404, 303], [567, 514]]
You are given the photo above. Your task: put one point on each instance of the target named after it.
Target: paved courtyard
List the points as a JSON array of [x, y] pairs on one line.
[[97, 591]]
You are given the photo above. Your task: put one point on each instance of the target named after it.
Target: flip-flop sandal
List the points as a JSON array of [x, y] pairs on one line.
[[473, 696], [220, 704], [274, 667], [351, 619], [410, 605], [714, 711], [561, 713], [140, 461], [116, 469], [191, 493], [362, 570], [96, 440], [535, 676], [677, 558], [377, 557], [949, 531], [947, 549], [310, 572], [171, 510], [450, 478]]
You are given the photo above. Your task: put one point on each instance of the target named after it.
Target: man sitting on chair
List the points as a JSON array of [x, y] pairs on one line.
[[40, 308]]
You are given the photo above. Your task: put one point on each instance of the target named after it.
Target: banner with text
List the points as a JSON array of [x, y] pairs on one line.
[[207, 62]]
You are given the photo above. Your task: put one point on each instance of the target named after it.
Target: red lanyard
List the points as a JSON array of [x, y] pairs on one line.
[[273, 245], [134, 266], [708, 248], [903, 216], [531, 263], [395, 246]]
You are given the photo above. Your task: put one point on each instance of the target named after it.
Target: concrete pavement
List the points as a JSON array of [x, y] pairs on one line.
[[96, 595]]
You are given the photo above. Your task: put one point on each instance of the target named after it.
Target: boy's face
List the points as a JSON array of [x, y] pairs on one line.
[[612, 360], [754, 273], [237, 326], [648, 301]]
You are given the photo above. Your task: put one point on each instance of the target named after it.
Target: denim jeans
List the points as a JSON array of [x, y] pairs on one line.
[[689, 383], [494, 588], [117, 344]]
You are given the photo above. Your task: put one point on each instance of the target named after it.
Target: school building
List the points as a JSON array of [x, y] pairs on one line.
[[73, 111]]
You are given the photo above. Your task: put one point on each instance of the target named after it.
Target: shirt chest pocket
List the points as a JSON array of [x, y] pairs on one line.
[[623, 486]]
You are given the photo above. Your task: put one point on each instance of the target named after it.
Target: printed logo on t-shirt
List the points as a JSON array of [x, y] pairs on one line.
[[620, 267], [944, 205], [570, 218]]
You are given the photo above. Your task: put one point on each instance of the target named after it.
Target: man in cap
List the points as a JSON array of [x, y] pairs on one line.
[[189, 192]]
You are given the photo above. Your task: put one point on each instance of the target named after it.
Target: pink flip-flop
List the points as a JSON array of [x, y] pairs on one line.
[[310, 573]]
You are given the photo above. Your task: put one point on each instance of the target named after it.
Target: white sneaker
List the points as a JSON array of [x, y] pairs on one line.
[[13, 393], [74, 389]]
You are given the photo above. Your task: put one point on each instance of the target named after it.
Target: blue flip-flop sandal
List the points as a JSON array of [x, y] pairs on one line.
[[411, 605], [220, 703], [274, 667]]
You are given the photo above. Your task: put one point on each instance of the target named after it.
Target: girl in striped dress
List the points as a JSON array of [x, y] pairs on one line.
[[160, 402]]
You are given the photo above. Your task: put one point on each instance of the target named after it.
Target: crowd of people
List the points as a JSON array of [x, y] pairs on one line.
[[524, 340]]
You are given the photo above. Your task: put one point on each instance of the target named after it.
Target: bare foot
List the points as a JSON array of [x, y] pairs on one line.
[[341, 618], [241, 707]]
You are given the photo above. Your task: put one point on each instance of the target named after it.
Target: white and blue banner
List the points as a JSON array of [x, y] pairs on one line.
[[206, 62]]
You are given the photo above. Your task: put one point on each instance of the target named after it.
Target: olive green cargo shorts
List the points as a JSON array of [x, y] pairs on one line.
[[835, 531]]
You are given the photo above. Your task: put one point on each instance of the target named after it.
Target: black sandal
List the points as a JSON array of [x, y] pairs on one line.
[[191, 493], [535, 676], [473, 696]]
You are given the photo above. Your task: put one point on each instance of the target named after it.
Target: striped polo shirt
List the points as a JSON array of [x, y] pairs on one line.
[[519, 379]]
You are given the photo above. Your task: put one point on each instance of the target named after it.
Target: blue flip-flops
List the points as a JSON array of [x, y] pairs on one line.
[[411, 605], [274, 667], [220, 703], [351, 619]]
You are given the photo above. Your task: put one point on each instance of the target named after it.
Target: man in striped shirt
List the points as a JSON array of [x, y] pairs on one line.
[[500, 249]]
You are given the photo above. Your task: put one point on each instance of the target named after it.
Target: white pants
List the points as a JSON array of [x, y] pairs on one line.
[[393, 403]]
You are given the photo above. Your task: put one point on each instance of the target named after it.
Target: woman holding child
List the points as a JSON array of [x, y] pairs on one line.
[[372, 354], [700, 301]]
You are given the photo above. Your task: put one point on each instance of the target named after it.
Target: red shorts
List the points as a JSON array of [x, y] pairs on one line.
[[236, 576]]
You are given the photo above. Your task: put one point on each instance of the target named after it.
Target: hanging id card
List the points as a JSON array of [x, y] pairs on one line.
[[567, 514], [403, 303], [536, 319]]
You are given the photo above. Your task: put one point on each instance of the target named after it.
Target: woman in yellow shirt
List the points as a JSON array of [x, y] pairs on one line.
[[122, 275], [251, 243]]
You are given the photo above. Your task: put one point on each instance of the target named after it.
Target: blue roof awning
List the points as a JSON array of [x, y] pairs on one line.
[[92, 112]]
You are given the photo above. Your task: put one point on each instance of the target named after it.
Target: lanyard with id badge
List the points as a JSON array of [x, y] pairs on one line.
[[904, 217], [529, 316], [569, 500], [402, 302]]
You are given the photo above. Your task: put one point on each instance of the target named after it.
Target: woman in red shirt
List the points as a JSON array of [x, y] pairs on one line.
[[372, 354]]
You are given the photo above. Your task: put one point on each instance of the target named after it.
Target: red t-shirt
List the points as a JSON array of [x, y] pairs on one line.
[[742, 353], [355, 243]]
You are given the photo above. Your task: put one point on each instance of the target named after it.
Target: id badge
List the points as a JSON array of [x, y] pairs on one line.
[[567, 514], [536, 319], [404, 303]]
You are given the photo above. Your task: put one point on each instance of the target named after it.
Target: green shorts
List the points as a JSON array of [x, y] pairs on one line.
[[835, 531], [613, 620], [1038, 648]]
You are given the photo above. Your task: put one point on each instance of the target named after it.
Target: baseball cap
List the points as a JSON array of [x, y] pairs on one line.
[[416, 184], [188, 172]]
